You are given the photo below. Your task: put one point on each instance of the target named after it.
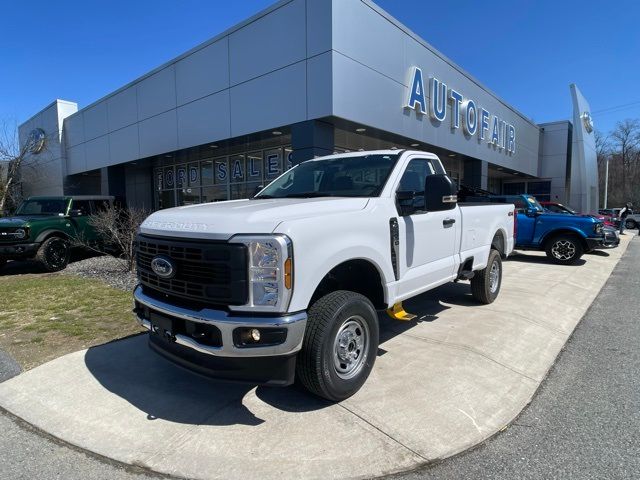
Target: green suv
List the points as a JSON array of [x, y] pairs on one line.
[[45, 228]]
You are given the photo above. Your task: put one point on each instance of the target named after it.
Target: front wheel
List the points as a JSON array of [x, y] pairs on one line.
[[564, 249], [53, 254], [340, 345], [485, 284], [630, 224]]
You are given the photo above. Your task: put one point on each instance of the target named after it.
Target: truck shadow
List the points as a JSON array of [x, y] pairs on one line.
[[162, 390], [524, 258], [24, 267]]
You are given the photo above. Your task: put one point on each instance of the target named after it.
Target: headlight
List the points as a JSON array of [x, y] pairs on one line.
[[20, 233], [598, 228], [270, 265]]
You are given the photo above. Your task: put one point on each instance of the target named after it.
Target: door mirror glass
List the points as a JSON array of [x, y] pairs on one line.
[[440, 193], [75, 213]]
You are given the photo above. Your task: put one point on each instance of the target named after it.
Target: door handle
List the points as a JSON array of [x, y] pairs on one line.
[[447, 222]]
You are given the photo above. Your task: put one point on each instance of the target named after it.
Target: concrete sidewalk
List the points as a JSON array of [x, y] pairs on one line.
[[440, 385]]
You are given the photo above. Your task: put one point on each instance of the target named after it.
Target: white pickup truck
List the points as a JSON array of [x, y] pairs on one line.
[[288, 283]]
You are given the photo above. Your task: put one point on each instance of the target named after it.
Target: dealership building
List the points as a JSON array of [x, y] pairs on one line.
[[301, 79]]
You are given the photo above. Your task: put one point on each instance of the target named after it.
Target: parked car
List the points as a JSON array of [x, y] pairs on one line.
[[631, 222], [564, 238], [288, 283], [44, 228], [611, 237], [555, 207]]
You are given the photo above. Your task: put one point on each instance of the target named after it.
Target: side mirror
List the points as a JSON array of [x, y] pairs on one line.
[[440, 193], [532, 212], [75, 213], [406, 203]]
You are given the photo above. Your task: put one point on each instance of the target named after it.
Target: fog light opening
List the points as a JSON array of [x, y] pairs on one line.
[[255, 334]]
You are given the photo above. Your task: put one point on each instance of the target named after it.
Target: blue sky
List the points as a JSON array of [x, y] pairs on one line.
[[531, 52]]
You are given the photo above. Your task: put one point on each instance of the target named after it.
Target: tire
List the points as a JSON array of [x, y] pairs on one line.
[[630, 224], [324, 367], [53, 254], [564, 249], [486, 283]]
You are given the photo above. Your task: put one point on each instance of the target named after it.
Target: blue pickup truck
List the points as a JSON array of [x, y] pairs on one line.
[[564, 238]]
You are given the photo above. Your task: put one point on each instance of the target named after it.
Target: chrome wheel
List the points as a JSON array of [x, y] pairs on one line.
[[351, 347], [494, 277], [563, 250]]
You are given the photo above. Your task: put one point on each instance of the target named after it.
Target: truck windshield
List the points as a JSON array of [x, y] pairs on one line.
[[50, 206], [361, 176]]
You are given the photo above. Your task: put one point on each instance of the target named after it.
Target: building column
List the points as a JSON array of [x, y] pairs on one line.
[[476, 173], [311, 139]]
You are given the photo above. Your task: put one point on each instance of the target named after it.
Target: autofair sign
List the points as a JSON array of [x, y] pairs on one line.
[[475, 120]]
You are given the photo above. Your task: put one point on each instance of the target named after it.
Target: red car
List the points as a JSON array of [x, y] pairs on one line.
[[556, 207]]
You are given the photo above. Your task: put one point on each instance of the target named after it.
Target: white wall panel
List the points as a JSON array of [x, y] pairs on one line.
[[97, 152], [76, 160], [204, 120], [271, 42], [203, 72], [278, 98], [74, 129], [95, 121], [122, 109], [319, 86], [158, 134], [123, 145], [157, 93]]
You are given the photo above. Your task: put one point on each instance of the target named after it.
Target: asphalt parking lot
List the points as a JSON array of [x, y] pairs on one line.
[[473, 370]]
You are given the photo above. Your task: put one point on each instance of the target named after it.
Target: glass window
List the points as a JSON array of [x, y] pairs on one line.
[[43, 207], [221, 171], [254, 167], [272, 163], [414, 177], [181, 176], [169, 178], [513, 188], [288, 156], [100, 205], [166, 199], [214, 194], [159, 179], [206, 172], [357, 176], [193, 174], [237, 172], [188, 196]]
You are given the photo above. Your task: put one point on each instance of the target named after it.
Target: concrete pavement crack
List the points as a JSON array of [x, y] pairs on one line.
[[389, 436]]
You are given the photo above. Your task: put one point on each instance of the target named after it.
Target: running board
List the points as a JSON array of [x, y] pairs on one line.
[[397, 312]]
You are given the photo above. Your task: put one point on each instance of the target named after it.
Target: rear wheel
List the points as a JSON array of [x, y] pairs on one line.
[[485, 284], [53, 254], [564, 249], [630, 224], [340, 345]]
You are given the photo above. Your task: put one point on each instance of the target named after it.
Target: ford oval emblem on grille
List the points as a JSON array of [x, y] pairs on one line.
[[163, 267]]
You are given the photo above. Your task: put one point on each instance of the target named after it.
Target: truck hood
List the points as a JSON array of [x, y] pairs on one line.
[[23, 220], [222, 220], [578, 218]]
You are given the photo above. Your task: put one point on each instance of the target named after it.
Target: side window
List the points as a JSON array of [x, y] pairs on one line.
[[414, 177], [83, 205]]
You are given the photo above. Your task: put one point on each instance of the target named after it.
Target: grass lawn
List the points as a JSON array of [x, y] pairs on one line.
[[48, 315]]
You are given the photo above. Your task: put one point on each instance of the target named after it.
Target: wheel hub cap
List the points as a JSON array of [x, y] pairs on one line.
[[494, 277], [563, 250], [351, 347]]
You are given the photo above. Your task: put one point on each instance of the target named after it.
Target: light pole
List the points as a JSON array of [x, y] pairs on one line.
[[606, 181]]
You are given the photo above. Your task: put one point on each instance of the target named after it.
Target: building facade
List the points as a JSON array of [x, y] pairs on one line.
[[300, 79]]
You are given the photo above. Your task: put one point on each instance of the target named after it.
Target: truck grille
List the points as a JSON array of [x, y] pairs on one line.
[[211, 271], [8, 235]]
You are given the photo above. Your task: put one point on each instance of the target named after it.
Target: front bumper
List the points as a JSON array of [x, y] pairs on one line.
[[221, 355], [601, 242], [17, 251]]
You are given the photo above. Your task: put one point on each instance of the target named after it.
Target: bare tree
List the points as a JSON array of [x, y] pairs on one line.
[[116, 230], [626, 142], [14, 155]]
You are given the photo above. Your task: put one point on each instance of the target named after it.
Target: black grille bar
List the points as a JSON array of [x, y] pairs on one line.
[[214, 272]]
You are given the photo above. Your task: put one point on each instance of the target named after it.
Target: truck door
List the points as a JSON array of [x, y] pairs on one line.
[[428, 239], [526, 223], [80, 220]]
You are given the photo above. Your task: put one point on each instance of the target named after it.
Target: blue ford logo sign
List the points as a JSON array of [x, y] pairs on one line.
[[163, 267]]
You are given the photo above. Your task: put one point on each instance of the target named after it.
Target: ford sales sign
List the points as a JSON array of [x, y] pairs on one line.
[[475, 120]]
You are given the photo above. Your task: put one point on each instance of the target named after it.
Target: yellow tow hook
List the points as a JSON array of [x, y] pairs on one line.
[[397, 312]]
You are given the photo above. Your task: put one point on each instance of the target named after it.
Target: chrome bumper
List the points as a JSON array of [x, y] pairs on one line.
[[294, 323]]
